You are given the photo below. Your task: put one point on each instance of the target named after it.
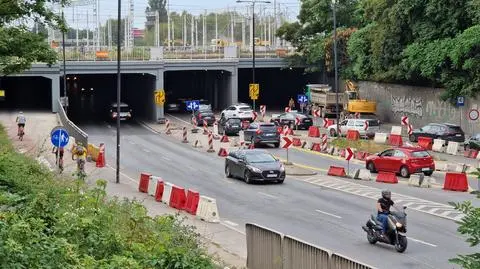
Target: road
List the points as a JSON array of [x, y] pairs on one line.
[[322, 216]]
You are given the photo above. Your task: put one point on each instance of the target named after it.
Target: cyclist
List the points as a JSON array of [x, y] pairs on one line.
[[21, 120], [80, 152], [58, 156]]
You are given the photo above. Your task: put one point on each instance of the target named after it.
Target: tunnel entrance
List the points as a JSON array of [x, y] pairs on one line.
[[26, 93], [90, 96], [276, 85], [209, 85]]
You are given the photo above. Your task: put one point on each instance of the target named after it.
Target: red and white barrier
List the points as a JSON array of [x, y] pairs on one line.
[[167, 192], [210, 143], [205, 127], [207, 209], [185, 140], [168, 131]]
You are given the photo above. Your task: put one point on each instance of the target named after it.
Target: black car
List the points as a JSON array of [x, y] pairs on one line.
[[262, 133], [254, 165], [206, 115], [445, 131], [288, 119], [473, 142], [229, 126]]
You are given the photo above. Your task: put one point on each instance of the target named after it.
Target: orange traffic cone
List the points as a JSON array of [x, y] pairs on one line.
[[222, 152], [224, 139], [101, 159]]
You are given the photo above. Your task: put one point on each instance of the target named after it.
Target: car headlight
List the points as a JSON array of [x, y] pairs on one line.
[[282, 168], [399, 225], [254, 169]]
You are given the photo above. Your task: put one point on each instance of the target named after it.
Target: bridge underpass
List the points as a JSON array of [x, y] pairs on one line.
[[26, 93]]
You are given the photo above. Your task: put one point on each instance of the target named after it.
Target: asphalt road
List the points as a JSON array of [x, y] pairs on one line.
[[327, 218]]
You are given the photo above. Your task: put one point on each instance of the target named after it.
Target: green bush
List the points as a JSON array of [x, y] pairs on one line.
[[51, 222]]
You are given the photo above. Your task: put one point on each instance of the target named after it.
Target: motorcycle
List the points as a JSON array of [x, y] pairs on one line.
[[396, 232]]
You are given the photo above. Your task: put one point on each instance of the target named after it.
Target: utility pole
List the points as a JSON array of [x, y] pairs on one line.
[[119, 55], [204, 30], [168, 24], [232, 26], [88, 32], [109, 34], [157, 28], [216, 27], [334, 2], [243, 32], [184, 30], [196, 32], [192, 30]]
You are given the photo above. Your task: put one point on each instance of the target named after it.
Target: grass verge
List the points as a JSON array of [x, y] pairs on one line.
[[360, 145]]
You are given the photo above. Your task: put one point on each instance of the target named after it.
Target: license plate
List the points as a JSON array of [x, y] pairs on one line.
[[235, 126], [272, 175], [269, 134], [206, 118], [306, 120], [458, 135], [426, 169]]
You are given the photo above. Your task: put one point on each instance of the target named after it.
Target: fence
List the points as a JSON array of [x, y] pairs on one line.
[[270, 249], [72, 129]]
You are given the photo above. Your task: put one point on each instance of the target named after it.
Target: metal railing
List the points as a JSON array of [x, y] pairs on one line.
[[72, 129], [173, 53], [270, 249]]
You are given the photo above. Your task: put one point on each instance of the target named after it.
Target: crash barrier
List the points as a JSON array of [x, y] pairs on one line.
[[396, 130], [269, 249], [380, 138], [184, 135], [363, 174], [72, 129], [316, 147], [438, 145], [353, 135], [425, 142], [395, 140], [455, 182], [471, 153], [330, 123], [205, 208], [336, 171], [419, 180], [387, 177], [452, 148], [313, 131], [361, 155]]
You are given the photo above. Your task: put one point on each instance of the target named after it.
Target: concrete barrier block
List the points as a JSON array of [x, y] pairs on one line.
[[441, 166], [452, 148], [363, 174], [396, 130], [380, 138], [438, 145], [419, 180]]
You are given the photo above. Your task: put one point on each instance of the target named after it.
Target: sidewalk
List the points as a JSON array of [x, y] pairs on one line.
[[226, 244]]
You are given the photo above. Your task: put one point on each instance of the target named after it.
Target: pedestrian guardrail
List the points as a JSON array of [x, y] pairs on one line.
[[72, 129], [267, 248]]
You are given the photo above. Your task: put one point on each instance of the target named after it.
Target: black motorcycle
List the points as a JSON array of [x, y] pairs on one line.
[[397, 227]]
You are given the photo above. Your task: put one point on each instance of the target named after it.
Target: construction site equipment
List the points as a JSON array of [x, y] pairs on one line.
[[355, 103], [322, 97]]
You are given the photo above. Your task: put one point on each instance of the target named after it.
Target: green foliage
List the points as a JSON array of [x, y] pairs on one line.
[[469, 226], [19, 46], [48, 222]]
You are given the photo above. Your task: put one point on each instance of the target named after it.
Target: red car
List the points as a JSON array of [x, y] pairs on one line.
[[402, 160]]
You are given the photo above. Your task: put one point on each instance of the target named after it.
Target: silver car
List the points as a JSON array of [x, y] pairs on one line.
[[358, 125]]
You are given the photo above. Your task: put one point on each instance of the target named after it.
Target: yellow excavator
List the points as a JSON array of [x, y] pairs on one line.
[[355, 104]]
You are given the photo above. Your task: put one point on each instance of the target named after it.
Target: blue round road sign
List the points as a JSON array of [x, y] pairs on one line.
[[60, 138]]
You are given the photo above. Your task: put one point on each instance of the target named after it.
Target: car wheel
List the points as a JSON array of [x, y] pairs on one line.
[[332, 132], [412, 138], [276, 145], [371, 167], [429, 173], [227, 172], [404, 172], [247, 176]]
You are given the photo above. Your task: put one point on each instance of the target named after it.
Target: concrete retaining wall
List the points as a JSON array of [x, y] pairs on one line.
[[422, 105]]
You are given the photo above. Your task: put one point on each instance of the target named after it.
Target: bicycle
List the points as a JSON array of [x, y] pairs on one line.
[[81, 169], [58, 158], [21, 133]]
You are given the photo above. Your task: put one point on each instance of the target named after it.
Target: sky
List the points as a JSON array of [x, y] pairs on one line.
[[108, 9]]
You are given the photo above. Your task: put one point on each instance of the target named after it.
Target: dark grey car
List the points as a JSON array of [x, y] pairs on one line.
[[262, 133], [229, 126]]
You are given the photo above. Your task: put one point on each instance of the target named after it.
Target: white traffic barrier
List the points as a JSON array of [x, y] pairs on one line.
[[452, 148], [438, 145], [207, 209], [363, 174], [396, 130], [167, 191], [330, 150], [451, 167], [380, 138], [419, 180], [241, 136], [441, 166], [215, 128], [152, 185], [307, 145]]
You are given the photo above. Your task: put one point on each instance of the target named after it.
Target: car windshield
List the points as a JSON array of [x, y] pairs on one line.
[[455, 129], [268, 127], [420, 154], [234, 121], [122, 108], [260, 158], [372, 122], [206, 112], [244, 108]]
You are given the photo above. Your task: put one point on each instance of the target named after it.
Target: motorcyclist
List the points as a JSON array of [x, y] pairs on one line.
[[21, 120], [383, 209]]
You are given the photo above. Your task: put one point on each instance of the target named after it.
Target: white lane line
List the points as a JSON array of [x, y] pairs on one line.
[[131, 142], [268, 195], [166, 159], [146, 150], [123, 174], [329, 214], [422, 242], [177, 118], [230, 223]]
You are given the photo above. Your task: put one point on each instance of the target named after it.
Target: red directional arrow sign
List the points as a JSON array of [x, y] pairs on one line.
[[254, 115], [316, 113], [405, 120], [288, 142], [297, 121], [348, 154], [366, 126], [325, 123], [410, 129]]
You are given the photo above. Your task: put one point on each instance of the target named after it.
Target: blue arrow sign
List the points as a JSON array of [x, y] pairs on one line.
[[302, 99], [60, 138], [192, 105], [460, 101]]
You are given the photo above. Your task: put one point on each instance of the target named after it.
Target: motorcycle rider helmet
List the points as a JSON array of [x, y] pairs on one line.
[[387, 194]]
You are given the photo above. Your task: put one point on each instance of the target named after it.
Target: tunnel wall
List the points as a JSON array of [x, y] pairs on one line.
[[25, 92]]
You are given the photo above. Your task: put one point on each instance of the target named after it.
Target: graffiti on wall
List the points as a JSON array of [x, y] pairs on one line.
[[407, 105]]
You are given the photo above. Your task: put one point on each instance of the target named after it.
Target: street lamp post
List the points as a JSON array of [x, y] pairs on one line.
[[335, 64], [253, 2], [65, 103], [119, 54]]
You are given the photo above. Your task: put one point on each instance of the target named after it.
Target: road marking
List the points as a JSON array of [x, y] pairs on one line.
[[268, 195], [230, 223], [329, 214], [109, 126], [303, 166], [422, 242], [131, 142], [146, 150], [177, 118], [166, 159], [326, 155], [148, 127], [123, 174]]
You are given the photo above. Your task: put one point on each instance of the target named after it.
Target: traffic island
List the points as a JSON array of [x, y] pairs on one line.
[[293, 170]]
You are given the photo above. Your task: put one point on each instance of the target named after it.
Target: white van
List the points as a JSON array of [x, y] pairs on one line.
[[356, 124]]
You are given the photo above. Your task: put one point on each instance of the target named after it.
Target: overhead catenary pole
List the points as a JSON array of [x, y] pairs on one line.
[[192, 32], [232, 27], [335, 64], [119, 55], [168, 24]]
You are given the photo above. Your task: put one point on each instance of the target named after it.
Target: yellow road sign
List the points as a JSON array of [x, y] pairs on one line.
[[2, 93], [254, 91], [159, 97]]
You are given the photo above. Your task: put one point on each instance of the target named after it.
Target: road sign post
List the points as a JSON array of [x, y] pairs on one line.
[[302, 100], [348, 156], [287, 145], [59, 138], [159, 98]]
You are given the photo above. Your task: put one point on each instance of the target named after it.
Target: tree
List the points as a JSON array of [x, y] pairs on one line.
[[19, 46], [470, 226]]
